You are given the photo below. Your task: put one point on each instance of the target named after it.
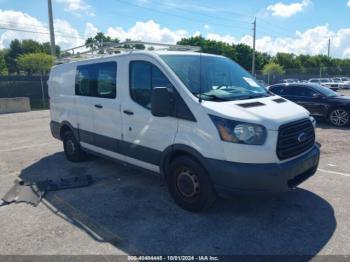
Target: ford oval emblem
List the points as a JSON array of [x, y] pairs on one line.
[[302, 137]]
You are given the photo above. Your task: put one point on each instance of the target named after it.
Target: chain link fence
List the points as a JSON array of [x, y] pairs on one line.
[[33, 87]]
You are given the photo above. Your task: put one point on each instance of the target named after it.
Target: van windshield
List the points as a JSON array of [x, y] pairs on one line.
[[214, 77]]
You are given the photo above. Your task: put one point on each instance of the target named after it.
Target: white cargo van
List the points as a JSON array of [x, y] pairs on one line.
[[199, 120]]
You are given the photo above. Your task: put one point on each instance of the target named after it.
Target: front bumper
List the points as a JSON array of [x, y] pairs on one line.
[[230, 176]]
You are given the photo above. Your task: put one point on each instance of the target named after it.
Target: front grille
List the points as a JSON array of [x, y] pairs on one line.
[[295, 138]]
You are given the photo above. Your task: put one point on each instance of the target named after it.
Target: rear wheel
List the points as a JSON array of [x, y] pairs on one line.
[[190, 185], [339, 117], [72, 148]]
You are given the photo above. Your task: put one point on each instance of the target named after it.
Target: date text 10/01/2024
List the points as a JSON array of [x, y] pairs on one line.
[[173, 258]]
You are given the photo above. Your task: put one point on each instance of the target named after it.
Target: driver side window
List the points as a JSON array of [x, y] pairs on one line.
[[308, 92], [145, 76]]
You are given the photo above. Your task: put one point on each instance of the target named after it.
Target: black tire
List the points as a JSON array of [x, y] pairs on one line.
[[190, 185], [72, 148], [339, 117]]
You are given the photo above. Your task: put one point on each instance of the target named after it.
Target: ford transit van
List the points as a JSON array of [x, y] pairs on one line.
[[199, 120]]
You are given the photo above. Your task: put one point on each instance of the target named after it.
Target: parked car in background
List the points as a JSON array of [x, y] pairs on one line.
[[346, 79], [342, 82], [337, 79], [327, 82], [319, 100], [341, 79], [290, 80], [319, 80]]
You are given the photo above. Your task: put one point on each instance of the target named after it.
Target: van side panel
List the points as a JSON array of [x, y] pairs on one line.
[[62, 94]]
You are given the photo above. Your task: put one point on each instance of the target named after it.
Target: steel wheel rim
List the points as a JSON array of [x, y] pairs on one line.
[[339, 117], [187, 184]]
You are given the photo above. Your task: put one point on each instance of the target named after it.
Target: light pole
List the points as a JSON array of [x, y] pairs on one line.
[[254, 40], [51, 29]]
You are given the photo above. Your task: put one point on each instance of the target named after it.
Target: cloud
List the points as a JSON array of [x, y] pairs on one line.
[[349, 3], [23, 21], [147, 31], [143, 2], [286, 10], [77, 7], [90, 30], [223, 38], [313, 42], [66, 35], [206, 27]]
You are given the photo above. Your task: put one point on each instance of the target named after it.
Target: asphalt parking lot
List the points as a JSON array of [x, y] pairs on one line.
[[128, 212]]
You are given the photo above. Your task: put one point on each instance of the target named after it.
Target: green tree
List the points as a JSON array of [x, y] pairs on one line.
[[272, 69], [46, 48], [210, 46], [35, 63], [3, 67], [99, 40], [244, 54], [15, 50], [18, 48], [241, 53]]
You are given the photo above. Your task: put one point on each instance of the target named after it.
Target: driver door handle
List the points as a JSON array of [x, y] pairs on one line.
[[98, 106], [128, 112]]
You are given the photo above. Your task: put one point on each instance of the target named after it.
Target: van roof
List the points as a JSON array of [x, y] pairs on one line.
[[134, 52]]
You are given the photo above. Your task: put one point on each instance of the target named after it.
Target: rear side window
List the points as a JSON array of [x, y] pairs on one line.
[[144, 76], [97, 80], [290, 90], [298, 91], [83, 82]]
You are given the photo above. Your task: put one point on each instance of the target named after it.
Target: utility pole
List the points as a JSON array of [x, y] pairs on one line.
[[329, 48], [52, 30], [254, 40]]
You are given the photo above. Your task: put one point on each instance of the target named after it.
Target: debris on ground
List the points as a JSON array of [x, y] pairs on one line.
[[33, 192]]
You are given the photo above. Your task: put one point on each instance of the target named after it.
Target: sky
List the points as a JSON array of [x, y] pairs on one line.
[[296, 26]]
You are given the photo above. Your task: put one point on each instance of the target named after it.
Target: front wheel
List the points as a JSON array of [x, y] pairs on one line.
[[339, 117], [190, 185]]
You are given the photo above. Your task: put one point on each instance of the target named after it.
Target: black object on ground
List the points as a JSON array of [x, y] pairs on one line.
[[33, 192]]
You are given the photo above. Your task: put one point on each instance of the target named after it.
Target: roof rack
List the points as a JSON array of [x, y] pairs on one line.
[[100, 49]]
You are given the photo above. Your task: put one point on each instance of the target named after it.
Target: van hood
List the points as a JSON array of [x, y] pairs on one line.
[[271, 112]]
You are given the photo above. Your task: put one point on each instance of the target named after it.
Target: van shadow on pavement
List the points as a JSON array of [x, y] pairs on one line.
[[135, 213]]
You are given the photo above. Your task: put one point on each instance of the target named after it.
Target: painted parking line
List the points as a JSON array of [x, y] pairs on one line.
[[26, 147], [333, 172]]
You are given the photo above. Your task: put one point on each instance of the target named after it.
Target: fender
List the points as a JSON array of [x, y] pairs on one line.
[[179, 149], [75, 130], [56, 129]]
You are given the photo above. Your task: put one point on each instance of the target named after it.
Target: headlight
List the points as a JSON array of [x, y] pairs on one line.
[[239, 132]]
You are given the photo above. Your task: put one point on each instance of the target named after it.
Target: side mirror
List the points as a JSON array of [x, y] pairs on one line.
[[317, 96], [161, 104]]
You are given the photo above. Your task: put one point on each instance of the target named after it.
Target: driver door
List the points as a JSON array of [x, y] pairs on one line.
[[145, 136]]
